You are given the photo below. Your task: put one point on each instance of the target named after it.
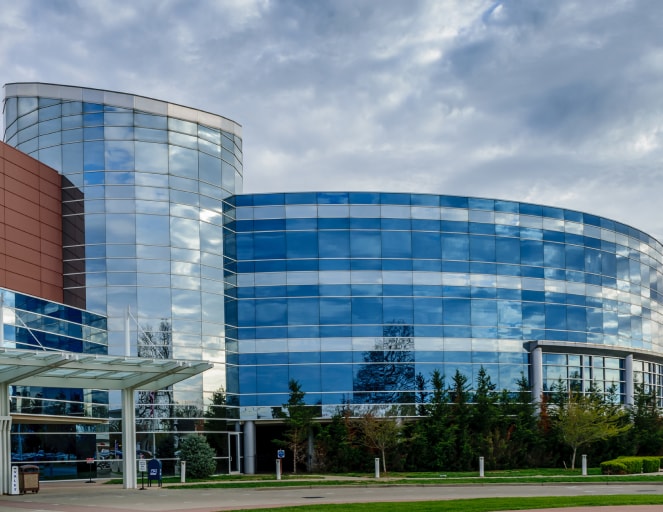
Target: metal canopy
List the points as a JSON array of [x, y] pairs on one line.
[[75, 370]]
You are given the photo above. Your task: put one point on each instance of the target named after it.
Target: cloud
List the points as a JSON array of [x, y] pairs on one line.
[[554, 102]]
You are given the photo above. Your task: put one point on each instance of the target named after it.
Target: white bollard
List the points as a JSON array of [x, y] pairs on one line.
[[278, 469], [584, 465], [377, 468], [183, 471], [481, 467]]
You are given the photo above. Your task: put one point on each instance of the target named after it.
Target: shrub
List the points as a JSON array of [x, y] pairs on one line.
[[631, 465], [199, 456], [651, 464], [613, 467]]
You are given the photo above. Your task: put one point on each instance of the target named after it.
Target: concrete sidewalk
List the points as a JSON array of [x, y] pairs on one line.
[[98, 497]]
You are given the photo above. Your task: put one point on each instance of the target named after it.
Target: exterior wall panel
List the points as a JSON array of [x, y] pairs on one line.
[[30, 226]]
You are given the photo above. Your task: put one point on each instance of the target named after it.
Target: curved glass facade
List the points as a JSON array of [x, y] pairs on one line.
[[142, 220], [355, 294]]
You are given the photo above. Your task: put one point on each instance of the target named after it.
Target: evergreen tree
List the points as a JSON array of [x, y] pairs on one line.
[[298, 420], [646, 436], [199, 456], [461, 419], [487, 437]]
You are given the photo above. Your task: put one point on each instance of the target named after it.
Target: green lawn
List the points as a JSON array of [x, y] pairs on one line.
[[521, 476], [480, 505]]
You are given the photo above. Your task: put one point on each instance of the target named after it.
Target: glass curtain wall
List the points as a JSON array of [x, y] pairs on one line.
[[143, 226], [60, 449], [355, 295]]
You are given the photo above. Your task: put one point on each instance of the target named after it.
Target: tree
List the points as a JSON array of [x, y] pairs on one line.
[[585, 419], [647, 433], [379, 433], [298, 419], [199, 456]]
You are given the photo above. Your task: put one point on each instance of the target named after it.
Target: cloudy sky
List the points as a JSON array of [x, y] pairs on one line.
[[557, 102]]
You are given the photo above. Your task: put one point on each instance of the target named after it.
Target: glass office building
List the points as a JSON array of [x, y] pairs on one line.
[[355, 294], [142, 207]]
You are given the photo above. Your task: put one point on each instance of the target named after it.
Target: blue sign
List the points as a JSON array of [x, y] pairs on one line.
[[281, 454]]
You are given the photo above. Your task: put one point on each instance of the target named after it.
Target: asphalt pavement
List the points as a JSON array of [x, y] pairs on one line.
[[98, 497]]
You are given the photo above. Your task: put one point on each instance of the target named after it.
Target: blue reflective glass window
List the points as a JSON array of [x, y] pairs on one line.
[[484, 312], [303, 311], [397, 310], [608, 264], [455, 247], [554, 255], [309, 376], [246, 312], [507, 250], [427, 311], [271, 312], [341, 223], [270, 245], [396, 244], [426, 245], [332, 198], [531, 252], [530, 209], [393, 198], [335, 310], [576, 318], [592, 261], [151, 157], [272, 379], [336, 377], [454, 201], [366, 310], [575, 257], [534, 315], [395, 224], [334, 244], [365, 244], [482, 248], [302, 244], [509, 313], [456, 311], [93, 156], [555, 317], [363, 223]]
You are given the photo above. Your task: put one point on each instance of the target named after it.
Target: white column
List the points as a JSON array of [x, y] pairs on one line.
[[129, 439], [249, 447], [629, 388], [536, 362], [5, 441]]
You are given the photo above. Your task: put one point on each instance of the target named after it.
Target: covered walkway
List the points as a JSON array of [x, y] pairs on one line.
[[77, 370]]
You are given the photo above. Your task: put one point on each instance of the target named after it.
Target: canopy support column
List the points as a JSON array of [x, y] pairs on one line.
[[129, 438], [5, 441]]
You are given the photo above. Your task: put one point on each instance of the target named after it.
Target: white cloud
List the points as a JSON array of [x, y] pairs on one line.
[[554, 102]]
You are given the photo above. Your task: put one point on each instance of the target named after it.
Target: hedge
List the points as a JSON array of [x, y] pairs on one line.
[[631, 465]]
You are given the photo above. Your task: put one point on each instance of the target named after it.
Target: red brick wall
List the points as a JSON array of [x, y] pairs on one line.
[[30, 226]]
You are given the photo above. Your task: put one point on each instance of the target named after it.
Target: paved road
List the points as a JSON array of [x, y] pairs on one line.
[[96, 497]]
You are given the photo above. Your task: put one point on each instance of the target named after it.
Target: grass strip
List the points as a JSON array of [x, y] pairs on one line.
[[481, 504]]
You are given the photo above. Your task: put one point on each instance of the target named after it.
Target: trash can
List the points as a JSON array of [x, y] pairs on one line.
[[28, 478]]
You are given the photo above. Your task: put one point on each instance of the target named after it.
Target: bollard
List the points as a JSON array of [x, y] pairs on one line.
[[278, 469], [584, 465], [481, 467], [183, 471], [377, 468]]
